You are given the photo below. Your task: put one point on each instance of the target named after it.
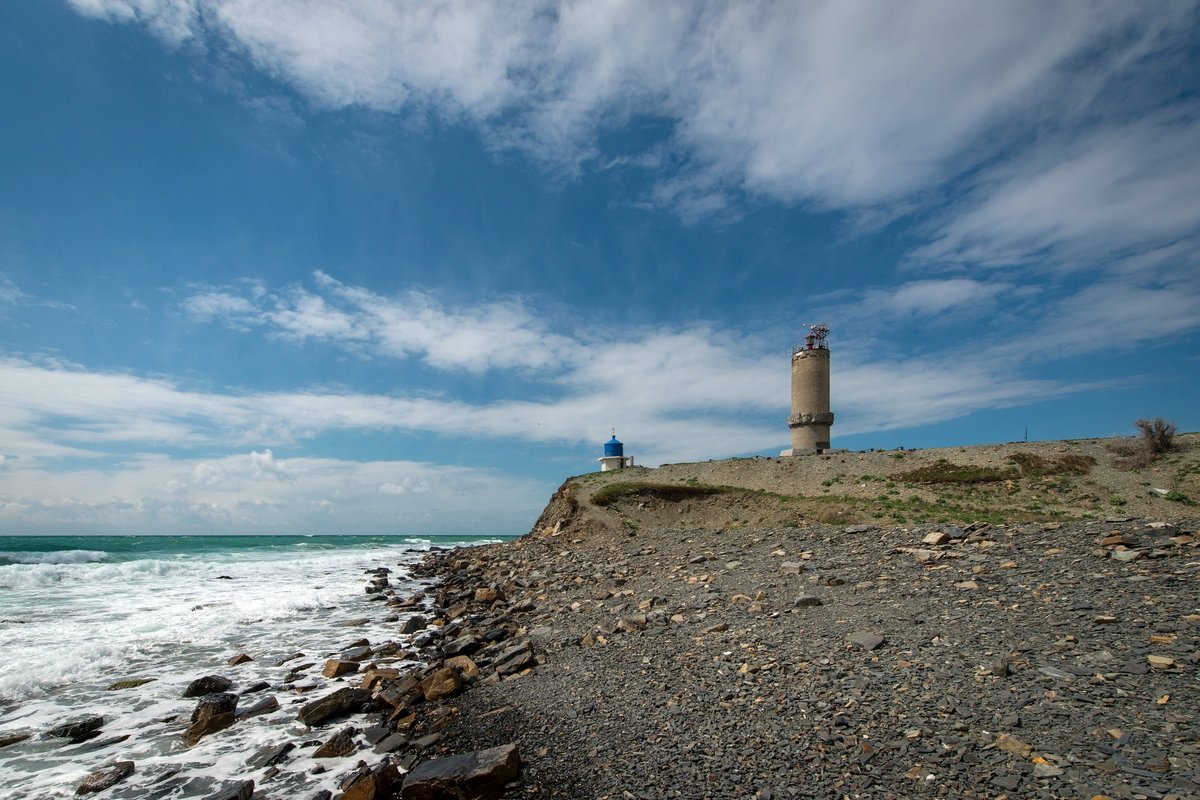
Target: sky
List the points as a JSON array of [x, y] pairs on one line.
[[368, 266]]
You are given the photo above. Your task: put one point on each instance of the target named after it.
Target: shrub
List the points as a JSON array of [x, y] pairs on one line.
[[1158, 434], [946, 472]]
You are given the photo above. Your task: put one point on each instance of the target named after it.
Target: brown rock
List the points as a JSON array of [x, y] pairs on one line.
[[373, 678], [12, 738], [335, 668], [481, 774], [488, 595], [371, 784], [106, 777], [1011, 744], [465, 666], [336, 704], [935, 538], [338, 745], [441, 683], [207, 724], [402, 692], [240, 658]]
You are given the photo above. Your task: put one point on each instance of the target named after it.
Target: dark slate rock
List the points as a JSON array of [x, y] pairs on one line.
[[106, 777], [77, 728], [481, 774], [339, 703], [207, 685]]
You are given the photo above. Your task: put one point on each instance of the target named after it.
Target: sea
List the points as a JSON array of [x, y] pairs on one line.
[[81, 613]]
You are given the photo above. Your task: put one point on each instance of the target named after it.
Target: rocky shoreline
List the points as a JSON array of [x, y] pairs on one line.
[[595, 659], [986, 661], [1033, 660]]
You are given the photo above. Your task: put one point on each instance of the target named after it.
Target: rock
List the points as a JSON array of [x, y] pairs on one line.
[[375, 677], [1011, 744], [106, 777], [339, 703], [866, 640], [266, 705], [338, 745], [240, 658], [462, 646], [270, 755], [441, 683], [465, 666], [257, 686], [359, 653], [1000, 668], [413, 624], [239, 790], [807, 601], [209, 724], [207, 685], [514, 659], [488, 595], [12, 738], [371, 784], [481, 774], [216, 703], [401, 692], [935, 538], [130, 683], [214, 712], [77, 728], [720, 627], [357, 622], [791, 567], [335, 668], [1125, 555], [1160, 662], [391, 743]]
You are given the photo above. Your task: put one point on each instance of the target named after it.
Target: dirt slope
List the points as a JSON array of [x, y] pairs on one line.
[[1016, 482]]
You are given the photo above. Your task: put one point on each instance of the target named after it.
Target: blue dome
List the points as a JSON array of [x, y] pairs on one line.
[[614, 448]]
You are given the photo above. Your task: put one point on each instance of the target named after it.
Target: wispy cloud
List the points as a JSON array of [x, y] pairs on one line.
[[1078, 202], [826, 102]]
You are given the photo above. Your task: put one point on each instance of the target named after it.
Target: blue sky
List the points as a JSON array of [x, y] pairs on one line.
[[369, 266]]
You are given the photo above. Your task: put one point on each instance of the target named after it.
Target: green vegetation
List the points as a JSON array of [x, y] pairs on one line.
[[1180, 497], [659, 491], [943, 471], [1035, 466]]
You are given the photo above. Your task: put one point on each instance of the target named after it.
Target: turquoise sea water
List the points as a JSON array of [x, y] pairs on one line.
[[78, 613], [82, 549]]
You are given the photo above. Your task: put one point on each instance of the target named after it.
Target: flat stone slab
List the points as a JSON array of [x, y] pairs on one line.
[[866, 640]]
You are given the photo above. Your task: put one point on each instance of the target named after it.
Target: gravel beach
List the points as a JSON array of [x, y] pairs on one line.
[[1057, 657], [1018, 661]]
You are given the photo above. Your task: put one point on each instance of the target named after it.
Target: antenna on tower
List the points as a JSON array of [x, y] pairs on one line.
[[818, 332]]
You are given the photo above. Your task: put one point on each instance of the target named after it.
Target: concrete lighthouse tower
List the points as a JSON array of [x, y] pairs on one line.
[[810, 418]]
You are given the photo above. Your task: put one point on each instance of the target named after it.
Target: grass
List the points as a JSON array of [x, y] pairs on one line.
[[670, 492], [1035, 466], [943, 471]]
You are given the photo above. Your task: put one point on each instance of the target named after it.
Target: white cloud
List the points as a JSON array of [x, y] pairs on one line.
[[213, 304], [842, 103], [931, 297], [496, 335], [244, 492], [1078, 202]]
